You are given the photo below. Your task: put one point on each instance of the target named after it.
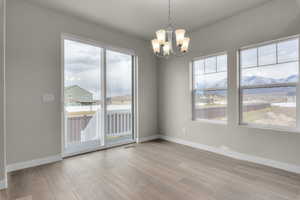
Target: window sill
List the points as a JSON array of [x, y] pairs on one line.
[[270, 128], [207, 121]]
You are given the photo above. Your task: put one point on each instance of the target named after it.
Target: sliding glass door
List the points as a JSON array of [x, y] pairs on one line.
[[119, 97], [98, 97]]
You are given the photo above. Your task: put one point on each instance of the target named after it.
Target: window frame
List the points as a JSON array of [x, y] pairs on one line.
[[194, 119], [241, 88]]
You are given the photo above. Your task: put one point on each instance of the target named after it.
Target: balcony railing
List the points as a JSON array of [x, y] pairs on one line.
[[85, 128], [118, 122]]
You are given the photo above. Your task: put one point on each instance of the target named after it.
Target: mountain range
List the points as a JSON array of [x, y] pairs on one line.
[[250, 81]]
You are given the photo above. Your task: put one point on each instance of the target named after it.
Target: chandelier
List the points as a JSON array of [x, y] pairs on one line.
[[170, 41]]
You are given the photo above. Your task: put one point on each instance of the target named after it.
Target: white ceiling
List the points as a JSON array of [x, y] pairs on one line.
[[142, 17]]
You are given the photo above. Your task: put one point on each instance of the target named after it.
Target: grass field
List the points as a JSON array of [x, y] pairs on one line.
[[275, 115]]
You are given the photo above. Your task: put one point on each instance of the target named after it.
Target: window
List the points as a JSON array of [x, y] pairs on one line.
[[268, 81], [210, 88]]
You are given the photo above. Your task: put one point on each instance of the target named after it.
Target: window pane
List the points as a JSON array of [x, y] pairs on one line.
[[119, 76], [267, 54], [210, 65], [82, 63], [274, 74], [210, 88], [270, 106], [210, 104], [249, 58], [198, 67], [288, 51], [82, 93], [213, 80], [222, 63], [118, 97]]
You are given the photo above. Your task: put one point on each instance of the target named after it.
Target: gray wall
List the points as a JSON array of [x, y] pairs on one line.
[[2, 144], [33, 68], [271, 21]]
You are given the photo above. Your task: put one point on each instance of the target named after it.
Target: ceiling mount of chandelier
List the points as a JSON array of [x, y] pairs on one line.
[[170, 41]]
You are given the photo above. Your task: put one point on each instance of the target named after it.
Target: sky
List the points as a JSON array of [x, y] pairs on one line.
[[83, 61], [82, 68], [208, 72]]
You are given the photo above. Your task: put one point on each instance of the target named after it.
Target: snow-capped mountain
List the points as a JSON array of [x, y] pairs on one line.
[[258, 80], [249, 81]]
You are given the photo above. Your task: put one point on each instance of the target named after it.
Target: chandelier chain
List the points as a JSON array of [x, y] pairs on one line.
[[170, 18]]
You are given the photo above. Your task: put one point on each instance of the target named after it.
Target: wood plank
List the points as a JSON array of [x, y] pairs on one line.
[[153, 170]]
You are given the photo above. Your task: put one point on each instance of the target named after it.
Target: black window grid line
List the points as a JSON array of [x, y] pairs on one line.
[[209, 73], [277, 52], [204, 63], [277, 57], [268, 65], [216, 66], [297, 37]]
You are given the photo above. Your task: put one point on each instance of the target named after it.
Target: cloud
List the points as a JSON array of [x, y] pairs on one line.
[[82, 68], [80, 57]]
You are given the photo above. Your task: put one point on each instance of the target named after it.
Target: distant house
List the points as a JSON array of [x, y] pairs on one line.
[[76, 95]]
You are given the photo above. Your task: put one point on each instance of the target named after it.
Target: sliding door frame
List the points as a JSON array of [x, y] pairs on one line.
[[135, 94]]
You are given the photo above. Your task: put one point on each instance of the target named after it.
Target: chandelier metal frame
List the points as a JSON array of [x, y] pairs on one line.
[[170, 41]]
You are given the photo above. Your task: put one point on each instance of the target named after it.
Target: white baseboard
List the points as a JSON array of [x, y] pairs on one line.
[[33, 163], [148, 138], [3, 184], [51, 159], [232, 154], [237, 155]]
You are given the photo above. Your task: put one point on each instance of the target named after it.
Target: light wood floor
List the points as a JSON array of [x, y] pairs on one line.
[[156, 170]]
